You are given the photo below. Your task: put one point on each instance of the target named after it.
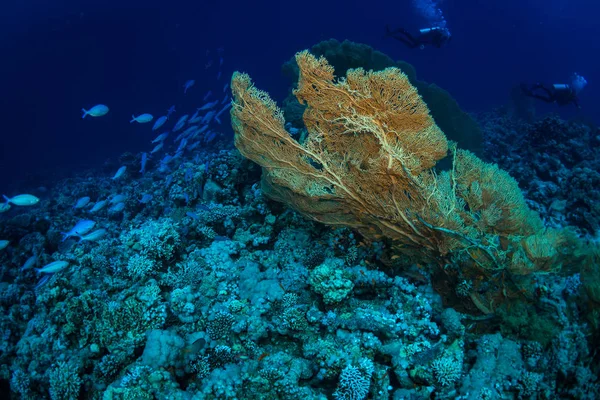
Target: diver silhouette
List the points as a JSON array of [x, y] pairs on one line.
[[559, 93], [435, 36]]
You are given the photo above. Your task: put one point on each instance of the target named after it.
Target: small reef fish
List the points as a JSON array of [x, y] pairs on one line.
[[145, 199], [4, 244], [225, 99], [81, 228], [30, 262], [192, 215], [179, 137], [170, 111], [187, 85], [225, 108], [159, 122], [194, 118], [157, 148], [4, 207], [22, 200], [43, 281], [208, 117], [208, 106], [119, 198], [119, 173], [207, 95], [53, 267], [166, 159], [161, 137], [117, 208], [94, 236], [189, 130], [209, 137], [144, 161], [96, 111], [141, 119], [219, 75], [182, 145], [98, 206], [180, 123], [225, 87], [82, 202]]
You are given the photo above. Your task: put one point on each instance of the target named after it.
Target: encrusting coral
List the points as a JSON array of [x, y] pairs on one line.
[[368, 163]]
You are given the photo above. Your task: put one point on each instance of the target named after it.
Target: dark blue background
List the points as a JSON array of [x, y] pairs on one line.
[[135, 56]]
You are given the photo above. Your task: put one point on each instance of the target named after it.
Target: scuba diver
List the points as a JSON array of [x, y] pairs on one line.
[[435, 36], [559, 93]]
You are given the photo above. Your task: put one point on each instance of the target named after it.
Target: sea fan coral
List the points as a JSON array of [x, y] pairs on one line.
[[368, 163]]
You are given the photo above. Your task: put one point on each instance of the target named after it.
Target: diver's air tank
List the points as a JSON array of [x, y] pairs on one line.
[[426, 31]]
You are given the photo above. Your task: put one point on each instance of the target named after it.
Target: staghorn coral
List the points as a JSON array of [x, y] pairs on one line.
[[367, 163]]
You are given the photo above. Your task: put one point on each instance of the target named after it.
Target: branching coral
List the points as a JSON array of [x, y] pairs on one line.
[[368, 163]]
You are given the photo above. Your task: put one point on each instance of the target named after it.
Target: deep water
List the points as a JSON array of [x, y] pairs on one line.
[[223, 265]]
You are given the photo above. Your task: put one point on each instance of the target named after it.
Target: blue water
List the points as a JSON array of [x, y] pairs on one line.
[[215, 287], [135, 55]]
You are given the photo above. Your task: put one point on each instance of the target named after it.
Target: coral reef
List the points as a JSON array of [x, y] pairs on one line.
[[342, 56], [208, 289]]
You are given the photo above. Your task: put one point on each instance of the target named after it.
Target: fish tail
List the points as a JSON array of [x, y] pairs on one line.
[[85, 113], [6, 198], [133, 119]]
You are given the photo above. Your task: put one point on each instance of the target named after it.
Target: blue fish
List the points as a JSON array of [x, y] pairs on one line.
[[81, 228], [118, 198], [144, 161], [82, 202], [170, 111], [188, 85], [208, 117], [117, 208], [192, 215], [225, 108], [119, 173], [182, 145], [30, 262], [209, 138], [159, 122], [157, 148], [145, 199], [161, 137], [207, 95], [43, 281], [208, 106], [203, 207], [180, 123]]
